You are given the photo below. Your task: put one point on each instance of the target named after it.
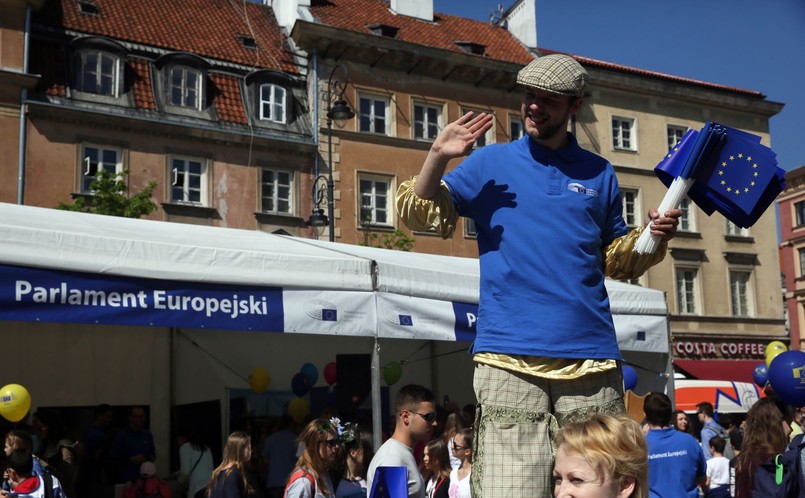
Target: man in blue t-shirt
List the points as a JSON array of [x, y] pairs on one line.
[[676, 464], [133, 446], [710, 428], [548, 218]]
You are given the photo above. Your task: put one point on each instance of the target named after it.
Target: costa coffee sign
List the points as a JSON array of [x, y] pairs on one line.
[[695, 349]]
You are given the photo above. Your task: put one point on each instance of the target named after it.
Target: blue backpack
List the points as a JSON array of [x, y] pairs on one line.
[[782, 476]]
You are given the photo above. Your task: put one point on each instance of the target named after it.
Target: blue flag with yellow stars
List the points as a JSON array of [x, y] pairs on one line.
[[734, 173], [390, 482]]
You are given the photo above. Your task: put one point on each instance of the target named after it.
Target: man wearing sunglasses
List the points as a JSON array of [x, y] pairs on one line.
[[416, 419]]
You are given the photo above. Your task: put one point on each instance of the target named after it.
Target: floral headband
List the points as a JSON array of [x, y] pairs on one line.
[[347, 432]]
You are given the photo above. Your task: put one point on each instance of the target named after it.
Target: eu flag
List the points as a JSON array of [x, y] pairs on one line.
[[390, 482], [734, 173]]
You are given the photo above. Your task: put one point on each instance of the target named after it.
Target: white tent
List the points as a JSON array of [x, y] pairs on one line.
[[60, 266]]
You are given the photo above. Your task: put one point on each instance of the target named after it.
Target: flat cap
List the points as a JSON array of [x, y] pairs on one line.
[[555, 73]]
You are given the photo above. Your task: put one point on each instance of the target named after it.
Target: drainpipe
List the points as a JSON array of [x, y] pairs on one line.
[[315, 116], [23, 111]]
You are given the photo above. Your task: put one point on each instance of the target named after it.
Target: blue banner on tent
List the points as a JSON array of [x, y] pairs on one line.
[[33, 294], [466, 317]]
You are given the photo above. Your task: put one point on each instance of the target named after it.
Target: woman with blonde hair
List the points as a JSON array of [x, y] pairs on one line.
[[321, 442], [604, 456], [231, 479]]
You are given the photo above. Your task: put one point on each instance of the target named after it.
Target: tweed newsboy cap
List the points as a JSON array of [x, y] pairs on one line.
[[555, 73]]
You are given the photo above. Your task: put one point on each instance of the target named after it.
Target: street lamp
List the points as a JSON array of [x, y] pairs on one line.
[[338, 110]]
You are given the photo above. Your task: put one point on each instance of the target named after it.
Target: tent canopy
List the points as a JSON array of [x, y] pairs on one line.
[[83, 268]]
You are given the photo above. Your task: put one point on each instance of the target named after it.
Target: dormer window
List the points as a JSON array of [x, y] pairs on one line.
[[185, 87], [98, 72], [471, 47], [383, 30], [88, 8], [272, 103], [248, 42]]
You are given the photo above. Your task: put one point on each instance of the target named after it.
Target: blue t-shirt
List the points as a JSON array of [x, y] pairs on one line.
[[543, 218], [128, 443], [675, 462]]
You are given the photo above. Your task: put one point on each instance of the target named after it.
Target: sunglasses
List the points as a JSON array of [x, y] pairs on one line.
[[457, 447], [429, 417], [332, 443]]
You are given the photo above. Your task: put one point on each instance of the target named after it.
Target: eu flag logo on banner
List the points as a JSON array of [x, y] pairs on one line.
[[734, 173], [406, 320], [390, 482], [329, 315]]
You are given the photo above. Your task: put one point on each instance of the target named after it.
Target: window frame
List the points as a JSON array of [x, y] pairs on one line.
[[733, 230], [374, 208], [747, 293], [184, 88], [116, 72], [695, 299], [617, 138], [273, 102], [688, 216], [799, 213], [204, 176], [373, 99], [515, 120], [489, 136], [801, 254], [84, 179], [439, 108], [636, 203], [668, 134], [275, 198]]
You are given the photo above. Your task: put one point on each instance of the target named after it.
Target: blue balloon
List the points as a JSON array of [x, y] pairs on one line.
[[311, 372], [300, 384], [760, 374], [629, 378], [786, 375]]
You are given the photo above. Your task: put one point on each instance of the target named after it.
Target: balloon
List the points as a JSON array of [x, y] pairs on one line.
[[311, 372], [392, 373], [259, 379], [773, 349], [298, 409], [629, 378], [330, 373], [786, 373], [14, 402], [300, 384], [760, 374]]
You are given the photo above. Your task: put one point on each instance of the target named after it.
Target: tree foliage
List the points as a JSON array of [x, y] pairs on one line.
[[397, 239], [110, 197]]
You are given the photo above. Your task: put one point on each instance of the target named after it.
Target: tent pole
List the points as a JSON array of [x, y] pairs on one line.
[[377, 428]]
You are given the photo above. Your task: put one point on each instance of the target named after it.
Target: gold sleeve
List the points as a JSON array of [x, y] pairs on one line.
[[621, 262], [420, 214]]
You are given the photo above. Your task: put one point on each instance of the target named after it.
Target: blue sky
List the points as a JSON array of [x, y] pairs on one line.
[[752, 44]]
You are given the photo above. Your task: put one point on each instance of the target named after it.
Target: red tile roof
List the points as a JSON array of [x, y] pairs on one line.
[[139, 71], [209, 28], [228, 102], [356, 15]]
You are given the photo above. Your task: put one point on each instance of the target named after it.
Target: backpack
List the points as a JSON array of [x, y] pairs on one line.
[[297, 475], [782, 477], [729, 452]]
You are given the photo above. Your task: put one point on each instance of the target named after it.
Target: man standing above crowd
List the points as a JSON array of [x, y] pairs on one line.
[[676, 464], [416, 419], [548, 216], [710, 428], [132, 446]]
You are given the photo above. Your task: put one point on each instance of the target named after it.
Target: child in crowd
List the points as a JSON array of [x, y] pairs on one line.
[[356, 453], [460, 477], [718, 470]]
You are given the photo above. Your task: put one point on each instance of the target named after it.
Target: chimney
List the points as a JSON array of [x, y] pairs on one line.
[[287, 11], [521, 21], [419, 9]]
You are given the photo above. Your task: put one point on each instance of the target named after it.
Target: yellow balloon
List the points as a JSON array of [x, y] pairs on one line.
[[259, 379], [298, 409], [773, 349], [14, 402]]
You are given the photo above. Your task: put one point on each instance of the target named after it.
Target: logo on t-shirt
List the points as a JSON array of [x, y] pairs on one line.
[[581, 189]]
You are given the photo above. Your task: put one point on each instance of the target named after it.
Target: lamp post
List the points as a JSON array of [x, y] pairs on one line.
[[338, 110]]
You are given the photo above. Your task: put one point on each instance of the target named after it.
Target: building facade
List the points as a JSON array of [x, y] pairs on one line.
[[791, 207]]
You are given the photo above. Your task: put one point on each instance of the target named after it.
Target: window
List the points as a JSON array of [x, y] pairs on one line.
[[469, 228], [623, 136], [375, 207], [95, 159], [733, 229], [185, 87], [272, 103], [801, 252], [427, 121], [631, 207], [687, 290], [687, 222], [188, 180], [374, 114], [276, 191], [99, 73], [675, 134], [799, 208], [739, 290], [515, 128], [486, 138]]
